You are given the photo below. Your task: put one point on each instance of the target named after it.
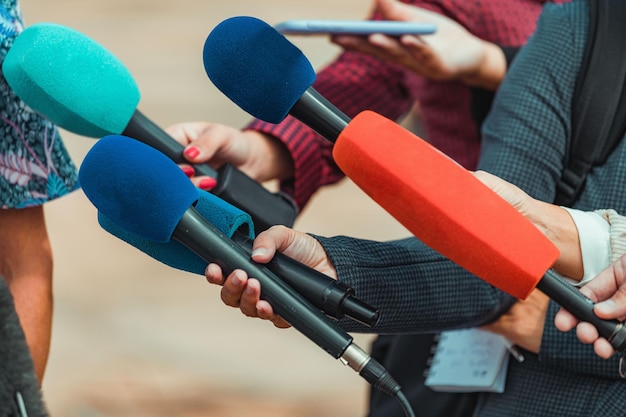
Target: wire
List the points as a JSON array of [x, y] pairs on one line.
[[376, 374], [404, 403]]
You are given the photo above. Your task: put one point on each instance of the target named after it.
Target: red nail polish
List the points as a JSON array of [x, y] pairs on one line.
[[207, 183], [189, 171], [192, 152]]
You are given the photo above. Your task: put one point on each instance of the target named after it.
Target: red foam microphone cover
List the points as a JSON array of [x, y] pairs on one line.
[[443, 204]]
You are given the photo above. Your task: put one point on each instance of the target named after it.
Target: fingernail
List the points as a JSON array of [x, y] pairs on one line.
[[235, 280], [189, 171], [209, 272], [607, 306], [192, 152], [207, 183], [259, 252]]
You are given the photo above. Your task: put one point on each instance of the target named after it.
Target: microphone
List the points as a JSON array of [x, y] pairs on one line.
[[435, 198], [155, 200], [80, 86], [332, 297], [267, 76]]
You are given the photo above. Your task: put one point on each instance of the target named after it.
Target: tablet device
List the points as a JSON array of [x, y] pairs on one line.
[[353, 27]]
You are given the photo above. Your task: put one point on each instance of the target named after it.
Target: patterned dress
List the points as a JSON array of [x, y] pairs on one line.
[[35, 166]]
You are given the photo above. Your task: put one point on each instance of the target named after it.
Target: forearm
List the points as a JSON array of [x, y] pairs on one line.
[[32, 295], [310, 157], [273, 159], [416, 289], [26, 265]]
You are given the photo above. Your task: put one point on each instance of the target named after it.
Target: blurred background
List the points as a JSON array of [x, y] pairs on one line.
[[133, 337]]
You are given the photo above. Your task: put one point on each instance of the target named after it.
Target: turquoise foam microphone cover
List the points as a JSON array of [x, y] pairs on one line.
[[71, 79]]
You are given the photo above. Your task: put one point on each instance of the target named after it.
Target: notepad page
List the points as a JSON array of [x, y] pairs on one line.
[[469, 360]]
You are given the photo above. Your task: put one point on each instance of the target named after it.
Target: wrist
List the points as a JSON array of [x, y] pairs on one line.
[[491, 68], [272, 160], [557, 224]]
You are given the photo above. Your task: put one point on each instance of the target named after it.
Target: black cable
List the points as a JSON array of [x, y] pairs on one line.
[[376, 375], [404, 403]]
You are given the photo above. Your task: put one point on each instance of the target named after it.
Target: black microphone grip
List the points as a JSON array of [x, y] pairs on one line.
[[315, 111], [334, 298], [571, 299], [266, 208], [209, 243]]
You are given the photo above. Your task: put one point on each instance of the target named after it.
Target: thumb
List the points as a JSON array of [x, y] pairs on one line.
[[395, 10], [267, 243]]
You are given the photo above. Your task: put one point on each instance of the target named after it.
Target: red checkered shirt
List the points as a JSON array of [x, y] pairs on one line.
[[355, 82]]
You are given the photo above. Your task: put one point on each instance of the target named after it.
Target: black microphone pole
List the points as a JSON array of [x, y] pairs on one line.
[[571, 299], [315, 111]]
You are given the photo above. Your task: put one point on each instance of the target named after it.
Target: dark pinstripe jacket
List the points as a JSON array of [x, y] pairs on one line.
[[525, 140]]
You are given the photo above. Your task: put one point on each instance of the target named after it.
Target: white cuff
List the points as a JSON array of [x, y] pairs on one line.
[[595, 243]]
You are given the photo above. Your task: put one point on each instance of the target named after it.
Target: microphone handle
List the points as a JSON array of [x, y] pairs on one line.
[[266, 209], [319, 114], [570, 298], [334, 298], [208, 242]]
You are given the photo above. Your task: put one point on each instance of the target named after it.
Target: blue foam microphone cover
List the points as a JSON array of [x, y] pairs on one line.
[[160, 191], [245, 58], [226, 217]]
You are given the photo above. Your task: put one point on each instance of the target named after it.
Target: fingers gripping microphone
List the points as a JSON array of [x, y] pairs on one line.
[[332, 297], [436, 199], [155, 200], [83, 88]]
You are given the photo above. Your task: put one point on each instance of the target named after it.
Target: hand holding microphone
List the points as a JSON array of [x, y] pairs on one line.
[[608, 291], [243, 292], [82, 87], [554, 222], [260, 155], [156, 201], [332, 297], [609, 285]]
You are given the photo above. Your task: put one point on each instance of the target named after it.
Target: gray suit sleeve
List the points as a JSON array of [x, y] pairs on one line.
[[416, 289]]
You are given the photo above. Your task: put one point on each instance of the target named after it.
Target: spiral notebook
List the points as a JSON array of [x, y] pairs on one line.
[[469, 360]]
